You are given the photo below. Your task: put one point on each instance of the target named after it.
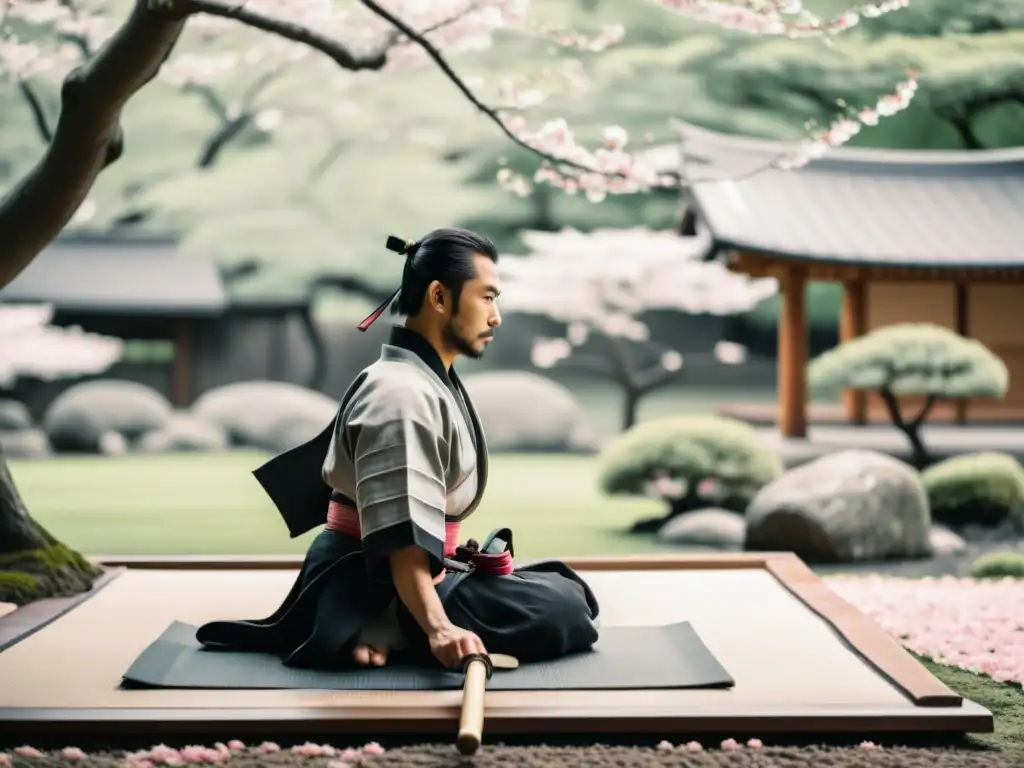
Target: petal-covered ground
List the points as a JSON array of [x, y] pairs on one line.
[[977, 625]]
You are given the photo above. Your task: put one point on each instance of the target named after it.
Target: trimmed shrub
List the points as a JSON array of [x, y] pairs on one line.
[[691, 462], [998, 565], [977, 489]]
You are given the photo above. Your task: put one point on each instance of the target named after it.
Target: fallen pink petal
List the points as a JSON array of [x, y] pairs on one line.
[[973, 624], [27, 751]]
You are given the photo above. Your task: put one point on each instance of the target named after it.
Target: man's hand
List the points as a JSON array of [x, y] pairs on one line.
[[451, 644]]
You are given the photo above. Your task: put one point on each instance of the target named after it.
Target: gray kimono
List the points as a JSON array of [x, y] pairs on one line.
[[407, 451], [410, 455]]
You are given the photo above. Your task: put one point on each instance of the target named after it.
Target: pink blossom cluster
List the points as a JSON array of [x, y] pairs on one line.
[[611, 170], [844, 129], [521, 91], [777, 17], [218, 754], [610, 35], [729, 745], [973, 624]]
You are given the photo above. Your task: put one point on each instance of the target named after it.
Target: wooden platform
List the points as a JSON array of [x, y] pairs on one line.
[[804, 660]]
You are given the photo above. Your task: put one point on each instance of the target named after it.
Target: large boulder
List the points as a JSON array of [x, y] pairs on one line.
[[25, 444], [270, 415], [84, 413], [14, 416], [185, 432], [526, 412], [849, 506]]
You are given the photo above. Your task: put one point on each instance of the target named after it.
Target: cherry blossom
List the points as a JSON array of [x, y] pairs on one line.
[[599, 284], [31, 347], [977, 625]]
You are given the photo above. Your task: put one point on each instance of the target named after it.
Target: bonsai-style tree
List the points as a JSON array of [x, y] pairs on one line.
[[87, 136], [600, 284], [916, 360]]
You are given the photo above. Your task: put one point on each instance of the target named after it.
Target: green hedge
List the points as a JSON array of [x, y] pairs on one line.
[[979, 488], [998, 565], [691, 449]]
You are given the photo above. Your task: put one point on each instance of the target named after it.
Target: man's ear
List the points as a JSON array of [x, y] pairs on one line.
[[437, 296]]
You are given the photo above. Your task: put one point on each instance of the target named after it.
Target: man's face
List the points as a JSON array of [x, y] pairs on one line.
[[472, 328]]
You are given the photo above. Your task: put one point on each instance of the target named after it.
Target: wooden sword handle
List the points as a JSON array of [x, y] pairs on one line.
[[471, 722]]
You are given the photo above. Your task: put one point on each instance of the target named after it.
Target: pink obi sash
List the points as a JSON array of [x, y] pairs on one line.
[[344, 519]]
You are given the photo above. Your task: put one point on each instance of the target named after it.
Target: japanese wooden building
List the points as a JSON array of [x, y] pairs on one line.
[[140, 288], [913, 236]]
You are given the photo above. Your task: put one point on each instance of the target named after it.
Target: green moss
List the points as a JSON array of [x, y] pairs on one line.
[[980, 488], [998, 565], [52, 571], [691, 449], [1004, 701], [19, 588]]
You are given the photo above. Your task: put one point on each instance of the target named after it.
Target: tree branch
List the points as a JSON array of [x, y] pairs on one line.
[[92, 97], [219, 140], [926, 408], [338, 52], [209, 97], [489, 112], [256, 86], [893, 406], [35, 104]]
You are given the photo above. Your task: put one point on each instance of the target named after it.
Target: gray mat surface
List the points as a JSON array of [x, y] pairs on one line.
[[670, 656]]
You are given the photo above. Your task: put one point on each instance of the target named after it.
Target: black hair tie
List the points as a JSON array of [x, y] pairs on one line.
[[398, 245]]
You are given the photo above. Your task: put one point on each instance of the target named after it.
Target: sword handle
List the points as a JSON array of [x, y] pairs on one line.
[[471, 721]]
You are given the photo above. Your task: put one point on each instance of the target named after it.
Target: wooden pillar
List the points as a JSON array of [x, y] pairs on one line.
[[181, 366], [852, 324], [963, 328], [793, 355]]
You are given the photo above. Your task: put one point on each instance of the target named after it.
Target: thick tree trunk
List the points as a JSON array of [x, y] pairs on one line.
[[33, 564], [87, 137]]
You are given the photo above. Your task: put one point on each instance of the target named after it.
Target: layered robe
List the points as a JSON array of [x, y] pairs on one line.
[[406, 456]]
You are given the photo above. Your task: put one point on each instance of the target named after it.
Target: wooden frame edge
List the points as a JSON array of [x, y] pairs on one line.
[[868, 640], [862, 634], [259, 722]]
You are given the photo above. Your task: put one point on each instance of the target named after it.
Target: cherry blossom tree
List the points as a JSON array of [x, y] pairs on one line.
[[34, 348], [366, 36], [599, 284]]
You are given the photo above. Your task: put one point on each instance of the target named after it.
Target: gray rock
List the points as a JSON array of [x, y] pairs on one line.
[[527, 412], [14, 416], [185, 432], [848, 506], [712, 527], [25, 444], [81, 414], [271, 415], [112, 444], [945, 542]]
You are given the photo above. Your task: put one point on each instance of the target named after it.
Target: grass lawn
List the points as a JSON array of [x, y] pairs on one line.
[[210, 504]]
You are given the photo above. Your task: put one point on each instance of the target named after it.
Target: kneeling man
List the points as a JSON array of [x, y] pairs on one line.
[[393, 477]]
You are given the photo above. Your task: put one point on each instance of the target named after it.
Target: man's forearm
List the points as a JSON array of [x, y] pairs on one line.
[[410, 570]]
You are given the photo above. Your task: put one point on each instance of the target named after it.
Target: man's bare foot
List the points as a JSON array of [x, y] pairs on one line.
[[366, 655]]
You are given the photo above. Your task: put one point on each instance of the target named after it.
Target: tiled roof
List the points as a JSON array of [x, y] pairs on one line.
[[133, 275], [961, 209]]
